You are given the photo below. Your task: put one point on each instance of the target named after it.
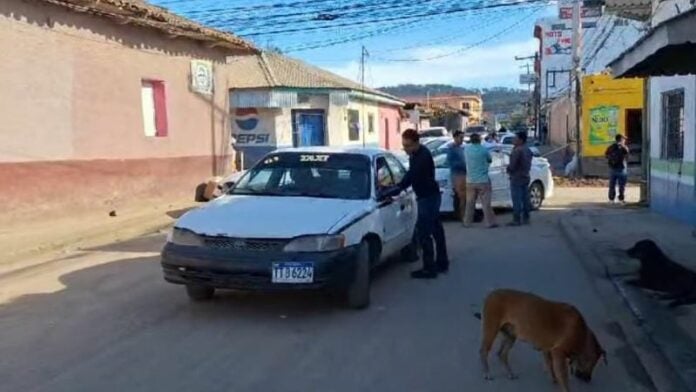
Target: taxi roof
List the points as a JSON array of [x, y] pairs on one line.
[[359, 150]]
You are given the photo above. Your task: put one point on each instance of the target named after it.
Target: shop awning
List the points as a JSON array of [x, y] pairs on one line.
[[667, 49]]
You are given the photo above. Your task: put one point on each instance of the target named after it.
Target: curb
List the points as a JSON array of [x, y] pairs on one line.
[[628, 314], [47, 254]]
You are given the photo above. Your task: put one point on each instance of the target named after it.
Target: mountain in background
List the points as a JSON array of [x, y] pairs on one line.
[[495, 99]]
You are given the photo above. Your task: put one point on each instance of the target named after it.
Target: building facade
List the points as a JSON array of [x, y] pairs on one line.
[[282, 102], [610, 107], [603, 37], [101, 106], [665, 55]]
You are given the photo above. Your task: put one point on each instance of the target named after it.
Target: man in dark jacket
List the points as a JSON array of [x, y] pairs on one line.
[[617, 158], [421, 176], [457, 165], [518, 170]]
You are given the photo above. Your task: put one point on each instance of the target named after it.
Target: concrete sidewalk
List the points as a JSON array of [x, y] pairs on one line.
[[666, 337], [28, 244]]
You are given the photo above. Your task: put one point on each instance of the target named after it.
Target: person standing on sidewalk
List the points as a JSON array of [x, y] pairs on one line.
[[518, 170], [478, 184], [421, 176], [617, 158], [457, 165]]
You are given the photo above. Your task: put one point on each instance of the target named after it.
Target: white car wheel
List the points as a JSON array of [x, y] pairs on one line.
[[536, 195]]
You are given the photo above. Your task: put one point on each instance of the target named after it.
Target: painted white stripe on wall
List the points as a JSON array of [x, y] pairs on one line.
[[686, 180]]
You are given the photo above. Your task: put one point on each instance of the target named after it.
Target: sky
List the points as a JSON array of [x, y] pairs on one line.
[[474, 49]]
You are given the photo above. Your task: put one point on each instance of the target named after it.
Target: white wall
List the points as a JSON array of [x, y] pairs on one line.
[[658, 85], [666, 9], [365, 108]]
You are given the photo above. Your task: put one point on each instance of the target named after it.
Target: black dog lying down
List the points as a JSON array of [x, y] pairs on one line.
[[659, 273]]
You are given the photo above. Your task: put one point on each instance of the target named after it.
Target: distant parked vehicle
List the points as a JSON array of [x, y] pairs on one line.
[[479, 129], [435, 143], [540, 188], [433, 132]]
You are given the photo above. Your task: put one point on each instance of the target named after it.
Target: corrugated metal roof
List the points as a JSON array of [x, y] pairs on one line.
[[272, 70], [631, 9], [139, 12], [667, 49]]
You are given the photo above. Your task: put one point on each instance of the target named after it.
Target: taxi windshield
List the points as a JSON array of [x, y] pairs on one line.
[[334, 176]]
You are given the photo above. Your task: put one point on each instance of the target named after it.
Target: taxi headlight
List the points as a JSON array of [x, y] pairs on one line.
[[184, 237], [316, 243]]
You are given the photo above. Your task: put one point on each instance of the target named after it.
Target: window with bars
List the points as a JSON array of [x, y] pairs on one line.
[[672, 127]]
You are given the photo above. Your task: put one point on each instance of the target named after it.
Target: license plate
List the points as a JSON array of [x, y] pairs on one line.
[[293, 273]]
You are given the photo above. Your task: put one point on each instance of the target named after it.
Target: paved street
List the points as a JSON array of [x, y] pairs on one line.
[[105, 320]]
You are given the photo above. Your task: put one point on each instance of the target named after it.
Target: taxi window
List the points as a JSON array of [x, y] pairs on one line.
[[384, 175], [333, 175], [397, 169]]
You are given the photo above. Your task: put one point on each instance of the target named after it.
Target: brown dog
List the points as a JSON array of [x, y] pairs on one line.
[[556, 329]]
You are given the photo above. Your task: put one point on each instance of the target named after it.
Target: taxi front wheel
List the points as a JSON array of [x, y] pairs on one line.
[[357, 295]]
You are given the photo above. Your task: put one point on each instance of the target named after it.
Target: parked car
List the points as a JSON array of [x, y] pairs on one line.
[[435, 143], [301, 218], [505, 141], [433, 132], [480, 129], [540, 189], [228, 182]]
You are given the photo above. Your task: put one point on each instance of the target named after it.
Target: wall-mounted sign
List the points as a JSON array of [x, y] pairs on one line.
[[528, 78], [559, 42], [248, 129], [202, 76], [586, 13], [604, 124]]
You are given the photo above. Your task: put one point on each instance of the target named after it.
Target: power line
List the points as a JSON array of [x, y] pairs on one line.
[[452, 10], [408, 25], [464, 49], [451, 37]]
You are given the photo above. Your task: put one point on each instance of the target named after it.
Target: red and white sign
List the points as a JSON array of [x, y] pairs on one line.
[[586, 13], [558, 42]]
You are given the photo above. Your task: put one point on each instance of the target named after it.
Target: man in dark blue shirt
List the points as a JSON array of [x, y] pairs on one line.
[[421, 176]]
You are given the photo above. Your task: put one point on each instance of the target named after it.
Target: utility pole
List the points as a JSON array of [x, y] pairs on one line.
[[529, 89], [363, 129], [577, 76]]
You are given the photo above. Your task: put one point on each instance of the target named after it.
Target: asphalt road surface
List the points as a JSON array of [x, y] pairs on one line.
[[104, 320]]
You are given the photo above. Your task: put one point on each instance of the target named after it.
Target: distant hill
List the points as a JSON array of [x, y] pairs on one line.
[[496, 99]]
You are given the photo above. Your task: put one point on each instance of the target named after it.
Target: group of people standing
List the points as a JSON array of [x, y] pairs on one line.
[[469, 169]]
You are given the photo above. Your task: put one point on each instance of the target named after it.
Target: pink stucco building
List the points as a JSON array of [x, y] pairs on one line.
[[107, 103], [390, 123]]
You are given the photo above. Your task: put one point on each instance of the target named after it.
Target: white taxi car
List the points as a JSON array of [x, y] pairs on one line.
[[302, 218]]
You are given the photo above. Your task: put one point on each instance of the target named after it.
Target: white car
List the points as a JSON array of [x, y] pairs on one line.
[[228, 182], [540, 188], [302, 218], [433, 132]]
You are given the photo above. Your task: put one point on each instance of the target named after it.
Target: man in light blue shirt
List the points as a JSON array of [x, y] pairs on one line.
[[478, 184]]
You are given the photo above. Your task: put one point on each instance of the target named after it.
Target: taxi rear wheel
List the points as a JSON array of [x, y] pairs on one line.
[[199, 293], [357, 295]]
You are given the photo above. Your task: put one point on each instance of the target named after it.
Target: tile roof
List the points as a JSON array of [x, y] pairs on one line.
[[272, 70], [139, 12]]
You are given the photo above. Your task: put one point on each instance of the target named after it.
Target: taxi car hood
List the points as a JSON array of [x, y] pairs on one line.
[[269, 216]]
